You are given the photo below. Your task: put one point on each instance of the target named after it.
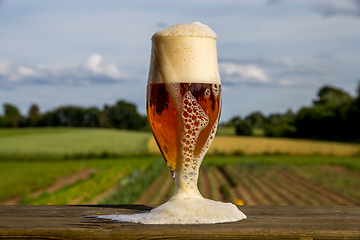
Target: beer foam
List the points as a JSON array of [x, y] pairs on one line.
[[195, 29], [184, 209], [184, 53]]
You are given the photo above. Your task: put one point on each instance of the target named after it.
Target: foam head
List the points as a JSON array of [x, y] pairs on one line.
[[195, 29], [184, 53]]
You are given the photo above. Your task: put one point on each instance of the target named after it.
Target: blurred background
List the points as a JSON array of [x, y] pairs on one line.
[[73, 127]]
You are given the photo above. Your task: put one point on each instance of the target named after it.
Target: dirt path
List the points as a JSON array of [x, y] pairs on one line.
[[59, 183]]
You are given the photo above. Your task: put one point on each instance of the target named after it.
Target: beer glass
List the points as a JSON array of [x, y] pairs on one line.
[[183, 102], [183, 108]]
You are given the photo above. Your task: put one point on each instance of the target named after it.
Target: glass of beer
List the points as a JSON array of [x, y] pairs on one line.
[[183, 108], [184, 98]]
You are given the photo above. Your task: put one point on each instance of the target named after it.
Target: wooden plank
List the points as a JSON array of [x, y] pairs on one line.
[[270, 222]]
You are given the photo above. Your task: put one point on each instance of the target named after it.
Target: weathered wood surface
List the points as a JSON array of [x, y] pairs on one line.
[[263, 222]]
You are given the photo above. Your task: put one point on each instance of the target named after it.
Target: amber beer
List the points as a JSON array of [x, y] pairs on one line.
[[183, 118], [183, 108]]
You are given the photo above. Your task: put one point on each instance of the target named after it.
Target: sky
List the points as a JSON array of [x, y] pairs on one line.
[[274, 55]]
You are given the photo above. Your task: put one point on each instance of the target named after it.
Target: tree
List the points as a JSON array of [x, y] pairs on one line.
[[353, 117], [327, 118], [91, 117], [257, 119], [280, 125], [11, 116], [124, 115], [243, 128], [328, 95], [33, 115], [234, 121]]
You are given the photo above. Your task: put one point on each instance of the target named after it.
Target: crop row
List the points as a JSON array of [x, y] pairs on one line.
[[144, 181], [259, 185], [85, 191]]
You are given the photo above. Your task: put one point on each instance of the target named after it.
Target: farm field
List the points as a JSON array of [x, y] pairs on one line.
[[123, 167], [71, 142], [80, 180], [266, 180], [241, 145], [259, 184]]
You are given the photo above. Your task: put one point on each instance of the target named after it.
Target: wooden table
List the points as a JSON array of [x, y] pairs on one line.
[[263, 222]]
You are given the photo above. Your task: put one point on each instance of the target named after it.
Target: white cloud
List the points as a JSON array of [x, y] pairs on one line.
[[26, 71], [112, 71], [92, 71], [93, 63], [278, 72], [238, 73]]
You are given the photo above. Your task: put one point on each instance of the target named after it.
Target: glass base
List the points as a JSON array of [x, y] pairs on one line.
[[184, 209]]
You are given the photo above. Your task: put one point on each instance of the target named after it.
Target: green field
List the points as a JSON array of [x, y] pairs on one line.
[[60, 142], [43, 150], [352, 163], [116, 167], [19, 178]]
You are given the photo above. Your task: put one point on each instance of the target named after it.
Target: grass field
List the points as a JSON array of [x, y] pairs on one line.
[[59, 142], [18, 178], [231, 131], [59, 166], [261, 145]]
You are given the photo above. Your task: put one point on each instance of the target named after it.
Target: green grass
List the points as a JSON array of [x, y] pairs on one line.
[[59, 142], [132, 186], [345, 181], [352, 163], [230, 131], [226, 131], [86, 190], [21, 178], [258, 132]]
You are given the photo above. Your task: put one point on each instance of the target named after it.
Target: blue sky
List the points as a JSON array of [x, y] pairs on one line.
[[273, 54]]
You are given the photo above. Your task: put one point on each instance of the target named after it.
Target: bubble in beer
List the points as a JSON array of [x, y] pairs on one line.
[[215, 89], [207, 93], [195, 120]]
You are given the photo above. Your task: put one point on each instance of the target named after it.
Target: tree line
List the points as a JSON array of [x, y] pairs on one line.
[[121, 115], [334, 116]]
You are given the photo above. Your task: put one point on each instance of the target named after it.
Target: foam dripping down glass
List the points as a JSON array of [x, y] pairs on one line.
[[183, 108]]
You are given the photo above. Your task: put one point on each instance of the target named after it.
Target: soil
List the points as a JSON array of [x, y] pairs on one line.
[[326, 196]]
